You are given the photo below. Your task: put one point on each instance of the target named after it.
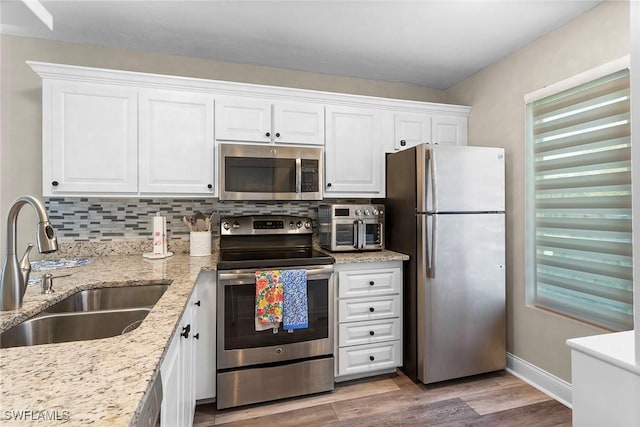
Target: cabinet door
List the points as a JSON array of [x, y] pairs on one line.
[[354, 152], [171, 384], [90, 138], [411, 130], [449, 130], [187, 368], [176, 142], [298, 123], [205, 328], [243, 119]]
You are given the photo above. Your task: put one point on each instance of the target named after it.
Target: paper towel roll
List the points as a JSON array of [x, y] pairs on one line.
[[159, 235]]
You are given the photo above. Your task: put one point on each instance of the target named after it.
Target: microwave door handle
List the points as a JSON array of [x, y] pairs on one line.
[[298, 175]]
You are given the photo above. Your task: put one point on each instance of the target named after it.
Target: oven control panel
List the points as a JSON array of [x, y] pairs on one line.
[[265, 224]]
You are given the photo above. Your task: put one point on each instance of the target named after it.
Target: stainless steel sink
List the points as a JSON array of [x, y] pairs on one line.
[[63, 327], [110, 298], [86, 315]]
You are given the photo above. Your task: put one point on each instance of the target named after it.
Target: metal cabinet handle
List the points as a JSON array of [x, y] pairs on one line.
[[198, 303], [197, 336], [268, 134], [372, 358], [371, 309], [185, 331], [403, 142], [372, 333], [371, 283]]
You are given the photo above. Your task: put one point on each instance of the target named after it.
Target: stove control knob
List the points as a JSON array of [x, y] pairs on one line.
[[291, 224], [381, 212], [375, 211], [235, 225], [307, 224], [299, 224], [366, 212], [358, 212], [226, 225]]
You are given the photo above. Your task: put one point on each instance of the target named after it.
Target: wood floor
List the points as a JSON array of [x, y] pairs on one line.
[[497, 399]]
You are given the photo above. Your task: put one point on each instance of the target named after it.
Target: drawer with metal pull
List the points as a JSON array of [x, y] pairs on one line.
[[369, 332], [363, 283], [369, 308], [365, 358]]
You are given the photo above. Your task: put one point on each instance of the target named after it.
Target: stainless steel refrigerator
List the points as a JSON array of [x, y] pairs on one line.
[[445, 208]]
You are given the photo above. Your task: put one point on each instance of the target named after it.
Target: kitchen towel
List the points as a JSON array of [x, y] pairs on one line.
[[295, 304], [269, 297]]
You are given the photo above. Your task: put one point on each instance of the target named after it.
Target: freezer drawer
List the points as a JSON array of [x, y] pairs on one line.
[[369, 332], [369, 309]]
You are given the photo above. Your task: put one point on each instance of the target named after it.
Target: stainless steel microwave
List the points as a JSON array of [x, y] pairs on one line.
[[347, 227], [270, 172]]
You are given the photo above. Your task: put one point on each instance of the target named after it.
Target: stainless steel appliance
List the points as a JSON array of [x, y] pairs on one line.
[[269, 172], [256, 366], [351, 227], [445, 208]]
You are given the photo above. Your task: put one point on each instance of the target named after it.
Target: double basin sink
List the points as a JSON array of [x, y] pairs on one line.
[[86, 315]]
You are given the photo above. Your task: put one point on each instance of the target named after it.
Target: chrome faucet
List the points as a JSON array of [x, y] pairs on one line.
[[15, 274]]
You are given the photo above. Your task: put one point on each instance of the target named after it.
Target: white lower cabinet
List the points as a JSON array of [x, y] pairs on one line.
[[205, 331], [369, 319], [178, 403], [185, 377]]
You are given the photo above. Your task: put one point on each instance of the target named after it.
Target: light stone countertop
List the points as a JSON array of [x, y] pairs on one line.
[[104, 381]]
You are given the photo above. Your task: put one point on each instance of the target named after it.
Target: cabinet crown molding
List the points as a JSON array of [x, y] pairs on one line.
[[218, 87]]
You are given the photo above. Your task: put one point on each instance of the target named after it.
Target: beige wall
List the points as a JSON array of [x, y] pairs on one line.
[[21, 105], [497, 118]]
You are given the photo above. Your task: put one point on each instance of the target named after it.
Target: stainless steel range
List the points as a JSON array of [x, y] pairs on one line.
[[261, 365]]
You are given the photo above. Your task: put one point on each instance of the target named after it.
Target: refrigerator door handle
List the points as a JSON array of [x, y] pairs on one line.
[[431, 272], [431, 168]]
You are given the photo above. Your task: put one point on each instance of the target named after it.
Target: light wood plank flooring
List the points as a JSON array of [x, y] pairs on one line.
[[497, 399]]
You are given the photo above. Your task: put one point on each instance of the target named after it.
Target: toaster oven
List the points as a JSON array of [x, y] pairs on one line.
[[351, 227]]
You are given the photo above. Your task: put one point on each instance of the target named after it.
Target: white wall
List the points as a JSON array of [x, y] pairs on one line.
[[497, 118]]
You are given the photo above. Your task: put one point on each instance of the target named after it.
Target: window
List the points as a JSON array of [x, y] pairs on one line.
[[579, 202]]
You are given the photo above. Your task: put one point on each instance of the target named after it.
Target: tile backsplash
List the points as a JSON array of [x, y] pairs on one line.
[[101, 219]]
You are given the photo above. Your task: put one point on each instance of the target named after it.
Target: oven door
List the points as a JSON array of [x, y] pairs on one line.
[[269, 172], [351, 235], [238, 342]]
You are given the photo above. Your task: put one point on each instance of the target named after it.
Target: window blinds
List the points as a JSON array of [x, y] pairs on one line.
[[582, 201]]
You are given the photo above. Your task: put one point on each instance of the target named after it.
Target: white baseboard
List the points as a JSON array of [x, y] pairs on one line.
[[547, 383]]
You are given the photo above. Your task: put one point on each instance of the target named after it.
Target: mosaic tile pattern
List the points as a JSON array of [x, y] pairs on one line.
[[101, 220]]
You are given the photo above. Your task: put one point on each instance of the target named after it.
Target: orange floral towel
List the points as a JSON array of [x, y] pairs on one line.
[[269, 297]]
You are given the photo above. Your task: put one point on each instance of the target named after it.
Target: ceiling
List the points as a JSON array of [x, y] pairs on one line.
[[429, 43]]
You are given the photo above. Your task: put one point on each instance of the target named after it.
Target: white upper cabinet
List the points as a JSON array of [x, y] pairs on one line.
[[354, 151], [259, 120], [89, 138], [111, 132], [451, 130], [176, 142], [411, 130]]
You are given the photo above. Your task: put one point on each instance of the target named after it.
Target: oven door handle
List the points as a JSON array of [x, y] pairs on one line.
[[363, 234], [243, 277]]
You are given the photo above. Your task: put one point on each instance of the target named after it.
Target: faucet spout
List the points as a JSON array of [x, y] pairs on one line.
[[13, 285]]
